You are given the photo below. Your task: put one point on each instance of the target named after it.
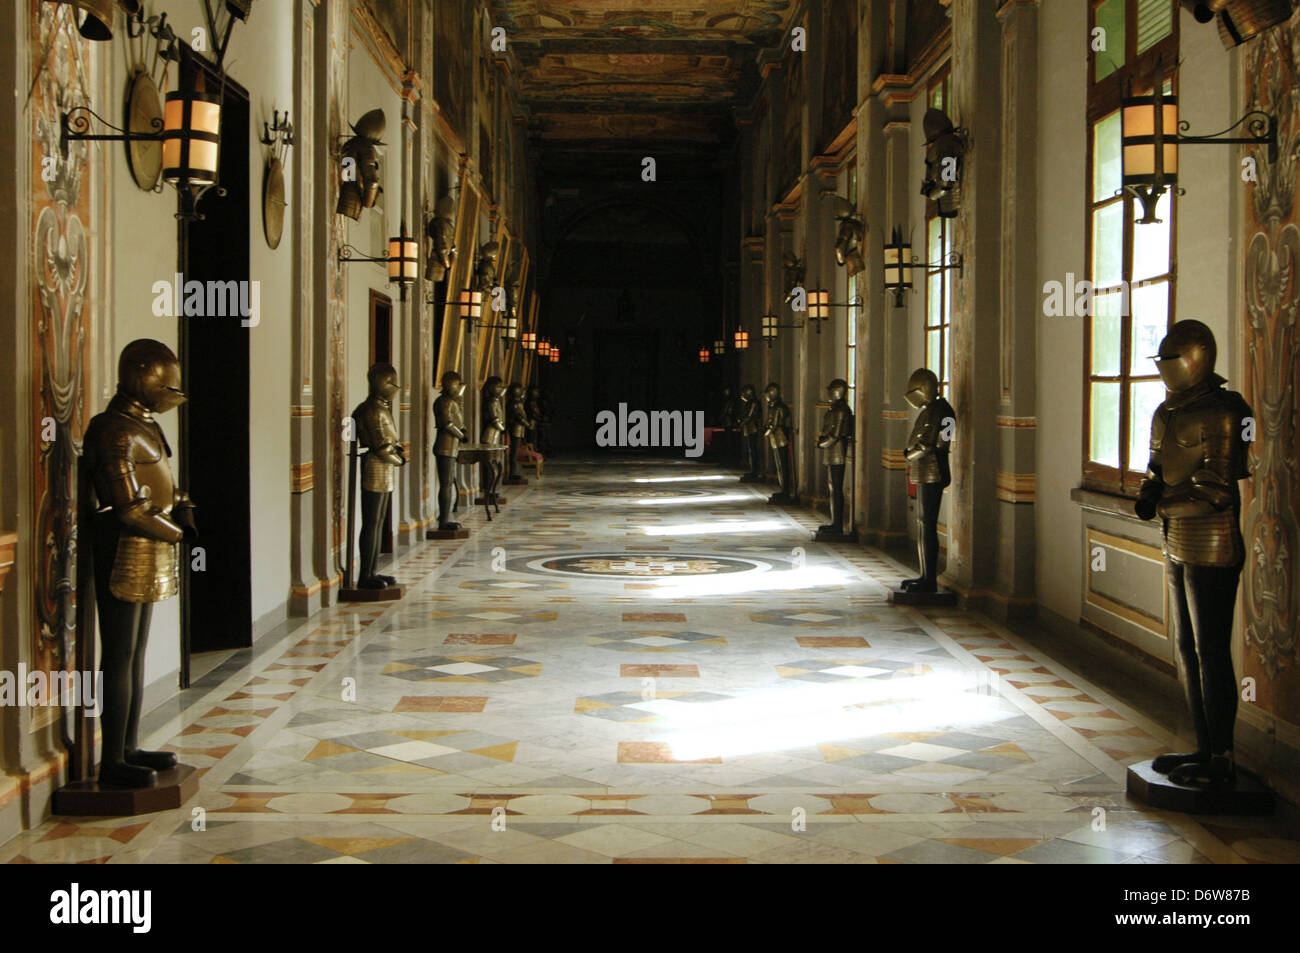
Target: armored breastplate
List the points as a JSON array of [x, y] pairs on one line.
[[127, 455], [927, 448], [778, 425], [1197, 440], [517, 418], [451, 426], [376, 429], [494, 425], [751, 420], [837, 431]]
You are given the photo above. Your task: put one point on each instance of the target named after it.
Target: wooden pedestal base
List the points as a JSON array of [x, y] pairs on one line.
[[780, 499], [1246, 796], [461, 533], [902, 597], [87, 799], [391, 594], [827, 536]]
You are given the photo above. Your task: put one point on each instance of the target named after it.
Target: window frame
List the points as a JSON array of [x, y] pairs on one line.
[[940, 80], [1103, 100]]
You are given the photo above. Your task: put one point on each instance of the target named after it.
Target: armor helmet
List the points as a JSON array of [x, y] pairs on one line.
[[1186, 355], [361, 189], [149, 372], [441, 232], [515, 391], [383, 381], [837, 389], [772, 392], [748, 393], [452, 385], [494, 386], [848, 243], [485, 268], [922, 387]]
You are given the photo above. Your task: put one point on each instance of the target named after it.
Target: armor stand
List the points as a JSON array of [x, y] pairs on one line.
[[446, 491], [923, 590], [127, 627], [375, 507], [514, 479], [784, 496], [490, 472], [1202, 600], [833, 532]]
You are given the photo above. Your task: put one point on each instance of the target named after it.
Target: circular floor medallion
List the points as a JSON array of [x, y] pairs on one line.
[[624, 565]]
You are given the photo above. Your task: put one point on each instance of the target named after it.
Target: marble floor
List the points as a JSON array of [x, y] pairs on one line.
[[646, 663]]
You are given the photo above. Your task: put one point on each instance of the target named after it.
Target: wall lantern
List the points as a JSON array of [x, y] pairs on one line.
[[555, 355], [1151, 133], [719, 347], [741, 340], [190, 133], [528, 341], [945, 152], [402, 259], [820, 304], [899, 263], [544, 348], [772, 324], [509, 326], [1241, 20], [704, 355]]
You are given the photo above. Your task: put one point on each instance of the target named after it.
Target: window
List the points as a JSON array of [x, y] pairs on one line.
[[851, 332], [938, 245], [1131, 267], [938, 300]]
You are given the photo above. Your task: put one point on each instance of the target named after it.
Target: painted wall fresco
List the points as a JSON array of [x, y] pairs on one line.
[[839, 73], [59, 267], [1271, 500]]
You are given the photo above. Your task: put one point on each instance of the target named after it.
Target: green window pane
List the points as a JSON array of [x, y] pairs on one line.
[[1104, 438], [1107, 158], [1155, 21], [933, 345], [1110, 19], [1108, 245], [1144, 398], [1106, 334], [1151, 242], [947, 356], [934, 238], [934, 300]]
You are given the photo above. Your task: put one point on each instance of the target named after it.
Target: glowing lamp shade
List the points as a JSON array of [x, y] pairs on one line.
[[1149, 139], [704, 355], [719, 347], [511, 330], [819, 305], [544, 347], [769, 327], [741, 340], [529, 341], [191, 135], [555, 355], [471, 304], [403, 264]]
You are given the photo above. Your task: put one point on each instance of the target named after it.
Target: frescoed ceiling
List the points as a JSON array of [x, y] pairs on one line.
[[629, 71]]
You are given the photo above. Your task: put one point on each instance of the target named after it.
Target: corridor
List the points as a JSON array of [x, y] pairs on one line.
[[642, 661]]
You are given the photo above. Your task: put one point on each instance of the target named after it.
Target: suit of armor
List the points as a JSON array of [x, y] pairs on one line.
[[833, 441], [377, 435], [777, 430], [517, 422], [749, 421], [139, 518], [927, 463], [493, 433], [1197, 456], [449, 420]]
